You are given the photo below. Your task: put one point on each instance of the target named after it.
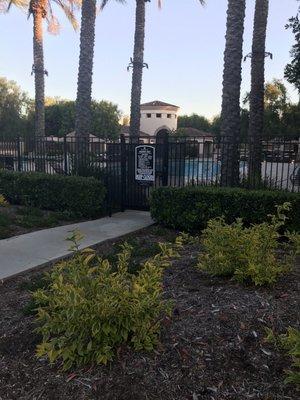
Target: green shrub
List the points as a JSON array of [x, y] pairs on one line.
[[77, 195], [189, 209], [91, 307], [290, 342], [3, 201], [247, 254]]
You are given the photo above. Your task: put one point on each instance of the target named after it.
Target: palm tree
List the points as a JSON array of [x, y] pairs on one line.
[[85, 70], [137, 64], [84, 81], [42, 10], [256, 118], [232, 77]]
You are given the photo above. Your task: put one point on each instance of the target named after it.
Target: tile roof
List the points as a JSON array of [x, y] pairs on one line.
[[157, 103]]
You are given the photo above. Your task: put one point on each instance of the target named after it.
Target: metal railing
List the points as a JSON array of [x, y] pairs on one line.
[[180, 161]]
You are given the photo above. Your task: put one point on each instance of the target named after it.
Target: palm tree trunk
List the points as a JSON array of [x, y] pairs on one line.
[[84, 83], [138, 65], [38, 11], [256, 120], [232, 77]]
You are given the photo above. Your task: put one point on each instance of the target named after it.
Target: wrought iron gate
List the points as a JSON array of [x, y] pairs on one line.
[[124, 191]]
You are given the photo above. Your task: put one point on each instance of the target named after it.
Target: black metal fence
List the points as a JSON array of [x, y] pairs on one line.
[[180, 161]]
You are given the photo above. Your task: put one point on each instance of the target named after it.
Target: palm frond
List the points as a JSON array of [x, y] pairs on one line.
[[104, 2], [5, 5], [68, 7]]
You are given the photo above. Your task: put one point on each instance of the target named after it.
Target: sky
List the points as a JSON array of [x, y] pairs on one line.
[[184, 49]]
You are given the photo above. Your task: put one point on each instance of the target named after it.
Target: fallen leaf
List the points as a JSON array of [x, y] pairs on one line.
[[268, 353], [70, 377]]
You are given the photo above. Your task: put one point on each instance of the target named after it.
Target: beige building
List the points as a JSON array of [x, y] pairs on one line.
[[158, 117]]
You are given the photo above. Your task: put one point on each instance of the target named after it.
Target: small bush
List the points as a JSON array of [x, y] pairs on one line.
[[77, 195], [247, 254], [3, 201], [190, 208], [92, 307], [290, 342]]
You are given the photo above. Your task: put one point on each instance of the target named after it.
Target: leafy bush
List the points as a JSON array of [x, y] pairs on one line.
[[3, 201], [77, 195], [290, 342], [247, 254], [92, 307], [190, 208]]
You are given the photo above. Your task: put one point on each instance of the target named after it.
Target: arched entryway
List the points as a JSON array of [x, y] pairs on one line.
[[161, 134]]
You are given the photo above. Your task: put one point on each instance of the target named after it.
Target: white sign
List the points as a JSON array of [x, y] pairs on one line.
[[145, 163]]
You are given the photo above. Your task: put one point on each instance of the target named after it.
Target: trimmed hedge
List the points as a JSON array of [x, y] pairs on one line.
[[80, 196], [190, 208]]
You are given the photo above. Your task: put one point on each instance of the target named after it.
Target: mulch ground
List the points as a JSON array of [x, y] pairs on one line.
[[212, 348]]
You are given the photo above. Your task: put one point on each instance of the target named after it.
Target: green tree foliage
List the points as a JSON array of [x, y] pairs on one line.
[[60, 118], [194, 121], [14, 106], [292, 70], [281, 118], [216, 125]]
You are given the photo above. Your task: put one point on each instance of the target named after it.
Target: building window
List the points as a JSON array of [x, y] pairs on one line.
[[175, 116], [169, 115], [148, 115], [158, 115]]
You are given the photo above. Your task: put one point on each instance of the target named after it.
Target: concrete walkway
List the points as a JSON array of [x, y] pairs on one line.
[[20, 253]]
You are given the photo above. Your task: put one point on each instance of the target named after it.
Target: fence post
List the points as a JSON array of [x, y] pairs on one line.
[[165, 160], [123, 172], [65, 156], [19, 154]]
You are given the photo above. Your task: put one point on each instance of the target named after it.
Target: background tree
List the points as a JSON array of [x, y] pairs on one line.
[[194, 121], [280, 116], [232, 77], [42, 10], [216, 126], [14, 107], [60, 118], [292, 70], [256, 116]]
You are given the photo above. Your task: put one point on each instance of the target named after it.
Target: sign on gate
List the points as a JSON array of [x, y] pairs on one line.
[[145, 163]]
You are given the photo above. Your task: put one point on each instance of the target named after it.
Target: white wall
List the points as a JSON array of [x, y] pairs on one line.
[[153, 125]]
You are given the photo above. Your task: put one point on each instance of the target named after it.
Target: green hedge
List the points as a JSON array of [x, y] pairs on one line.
[[77, 195], [190, 208]]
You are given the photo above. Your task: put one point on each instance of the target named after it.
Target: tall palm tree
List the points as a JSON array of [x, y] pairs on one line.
[[137, 64], [42, 10], [232, 77], [256, 118], [85, 70]]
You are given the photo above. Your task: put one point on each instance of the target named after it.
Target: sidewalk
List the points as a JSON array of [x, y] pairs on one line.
[[20, 253]]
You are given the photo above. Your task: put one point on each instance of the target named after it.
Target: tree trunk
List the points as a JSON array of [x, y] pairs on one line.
[[256, 119], [84, 83], [138, 64], [232, 77], [39, 12]]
